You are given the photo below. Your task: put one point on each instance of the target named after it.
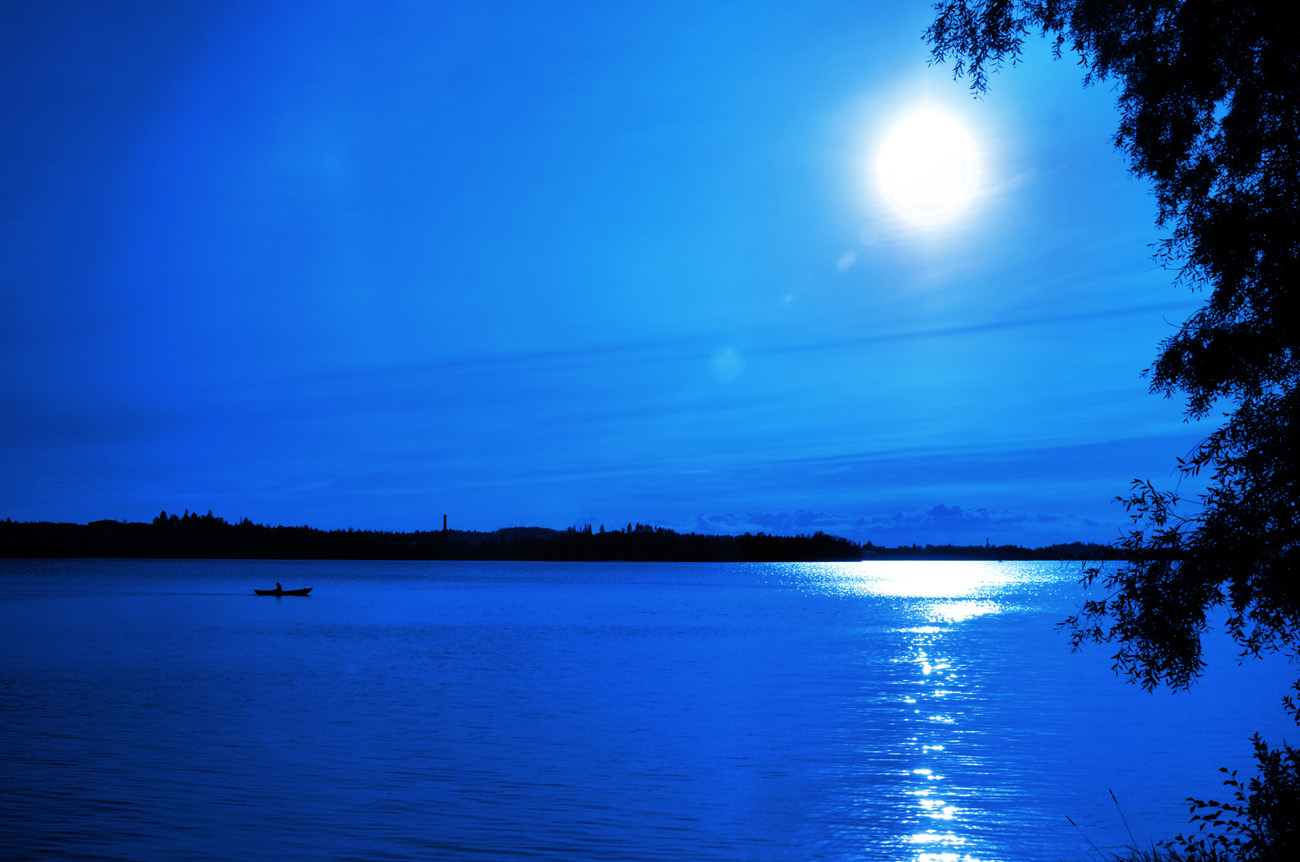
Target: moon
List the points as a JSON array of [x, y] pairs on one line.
[[927, 167]]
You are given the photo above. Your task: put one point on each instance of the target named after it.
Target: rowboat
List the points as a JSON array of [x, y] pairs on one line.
[[301, 592]]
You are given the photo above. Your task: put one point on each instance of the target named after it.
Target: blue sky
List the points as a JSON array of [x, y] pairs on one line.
[[363, 264]]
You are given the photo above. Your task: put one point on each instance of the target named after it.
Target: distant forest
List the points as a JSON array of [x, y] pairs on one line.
[[207, 536]]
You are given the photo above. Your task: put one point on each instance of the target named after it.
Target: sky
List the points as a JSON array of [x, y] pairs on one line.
[[362, 265]]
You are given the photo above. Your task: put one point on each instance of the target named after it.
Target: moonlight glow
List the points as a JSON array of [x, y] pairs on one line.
[[927, 167]]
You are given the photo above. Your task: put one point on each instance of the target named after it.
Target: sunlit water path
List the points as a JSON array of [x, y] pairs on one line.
[[865, 711]]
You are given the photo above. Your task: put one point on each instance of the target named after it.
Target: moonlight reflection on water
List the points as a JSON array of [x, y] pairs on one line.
[[860, 711]]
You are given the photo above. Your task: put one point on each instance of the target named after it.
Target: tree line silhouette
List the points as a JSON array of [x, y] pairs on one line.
[[208, 536]]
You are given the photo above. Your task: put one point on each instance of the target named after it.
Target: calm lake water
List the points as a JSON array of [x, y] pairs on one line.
[[555, 711]]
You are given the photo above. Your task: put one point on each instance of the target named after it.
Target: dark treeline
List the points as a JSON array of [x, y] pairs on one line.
[[207, 536]]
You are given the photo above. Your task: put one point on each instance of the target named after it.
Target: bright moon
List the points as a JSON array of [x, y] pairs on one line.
[[927, 167]]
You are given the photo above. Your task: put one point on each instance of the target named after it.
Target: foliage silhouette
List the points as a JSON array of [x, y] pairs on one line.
[[1257, 823], [1209, 100]]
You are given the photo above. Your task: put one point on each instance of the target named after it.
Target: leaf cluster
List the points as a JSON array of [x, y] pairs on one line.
[[1237, 549], [1209, 102], [1260, 821]]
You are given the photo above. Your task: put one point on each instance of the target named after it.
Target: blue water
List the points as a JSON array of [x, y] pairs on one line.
[[865, 711]]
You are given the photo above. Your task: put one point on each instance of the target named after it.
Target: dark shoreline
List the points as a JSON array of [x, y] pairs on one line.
[[209, 537]]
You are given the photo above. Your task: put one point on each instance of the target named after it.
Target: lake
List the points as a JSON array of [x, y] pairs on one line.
[[929, 712]]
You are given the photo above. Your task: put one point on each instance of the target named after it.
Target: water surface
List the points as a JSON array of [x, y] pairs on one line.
[[438, 710]]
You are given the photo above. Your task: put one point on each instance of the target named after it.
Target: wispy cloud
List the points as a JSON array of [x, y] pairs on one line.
[[940, 524]]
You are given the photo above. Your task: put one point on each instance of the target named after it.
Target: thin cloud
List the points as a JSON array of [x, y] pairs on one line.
[[940, 524]]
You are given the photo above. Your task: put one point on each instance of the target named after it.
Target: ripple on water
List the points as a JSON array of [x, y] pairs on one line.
[[416, 711]]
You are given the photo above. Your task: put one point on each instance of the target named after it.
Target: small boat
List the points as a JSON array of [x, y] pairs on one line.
[[279, 592]]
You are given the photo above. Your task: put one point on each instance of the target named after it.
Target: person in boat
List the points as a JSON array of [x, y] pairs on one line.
[[277, 587]]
